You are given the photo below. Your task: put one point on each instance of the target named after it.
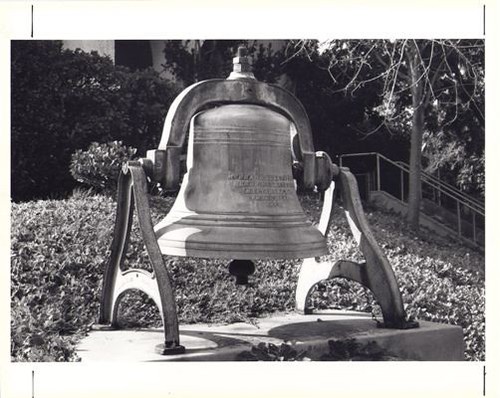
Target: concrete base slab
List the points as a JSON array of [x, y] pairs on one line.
[[206, 342]]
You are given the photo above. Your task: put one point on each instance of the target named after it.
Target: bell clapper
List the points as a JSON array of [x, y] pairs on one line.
[[241, 269]]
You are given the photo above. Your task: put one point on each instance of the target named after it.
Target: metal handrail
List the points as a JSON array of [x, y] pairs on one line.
[[462, 200], [446, 187]]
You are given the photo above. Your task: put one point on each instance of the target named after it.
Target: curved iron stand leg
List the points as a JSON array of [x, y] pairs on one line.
[[132, 186], [375, 273]]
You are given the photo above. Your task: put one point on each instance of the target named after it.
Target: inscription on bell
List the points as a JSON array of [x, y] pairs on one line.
[[271, 189]]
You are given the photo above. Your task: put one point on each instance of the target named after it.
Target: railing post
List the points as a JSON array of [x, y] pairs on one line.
[[459, 219], [340, 161], [474, 225], [378, 172], [439, 190], [402, 185]]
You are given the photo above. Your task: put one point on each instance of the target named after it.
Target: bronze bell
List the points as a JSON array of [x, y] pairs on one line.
[[238, 198]]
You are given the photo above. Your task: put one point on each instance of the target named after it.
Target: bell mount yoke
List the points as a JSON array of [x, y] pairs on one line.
[[240, 87]]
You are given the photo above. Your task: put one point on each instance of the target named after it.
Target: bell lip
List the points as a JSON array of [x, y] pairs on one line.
[[272, 240]]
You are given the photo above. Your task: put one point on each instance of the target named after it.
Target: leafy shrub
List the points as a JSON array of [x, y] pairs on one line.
[[100, 165], [352, 350], [338, 350], [272, 352], [63, 100], [59, 251]]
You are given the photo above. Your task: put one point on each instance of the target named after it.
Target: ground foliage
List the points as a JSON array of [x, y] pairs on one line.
[[338, 350], [353, 350], [59, 250], [272, 352]]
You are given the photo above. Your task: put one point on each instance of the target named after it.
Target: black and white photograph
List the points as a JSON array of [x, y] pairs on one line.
[[233, 201]]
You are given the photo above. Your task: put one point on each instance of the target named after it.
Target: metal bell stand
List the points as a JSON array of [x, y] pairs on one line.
[[162, 166]]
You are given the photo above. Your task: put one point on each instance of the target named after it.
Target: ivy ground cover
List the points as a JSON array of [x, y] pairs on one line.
[[59, 249]]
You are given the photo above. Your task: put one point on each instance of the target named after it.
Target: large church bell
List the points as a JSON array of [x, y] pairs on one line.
[[249, 144]]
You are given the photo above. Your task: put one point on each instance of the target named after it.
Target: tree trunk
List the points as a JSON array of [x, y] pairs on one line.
[[417, 130], [196, 59]]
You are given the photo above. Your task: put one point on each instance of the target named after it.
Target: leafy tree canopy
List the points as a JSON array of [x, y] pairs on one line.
[[442, 80]]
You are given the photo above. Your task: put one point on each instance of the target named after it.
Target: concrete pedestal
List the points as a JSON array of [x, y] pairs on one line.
[[203, 342]]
